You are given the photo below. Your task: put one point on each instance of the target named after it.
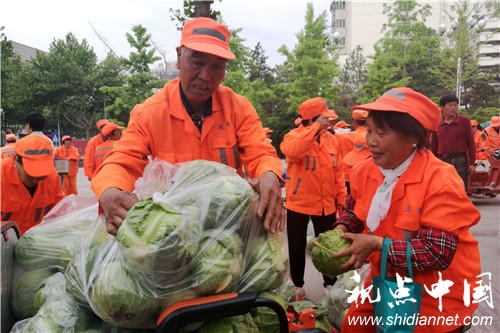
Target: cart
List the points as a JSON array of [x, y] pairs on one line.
[[485, 181], [231, 304]]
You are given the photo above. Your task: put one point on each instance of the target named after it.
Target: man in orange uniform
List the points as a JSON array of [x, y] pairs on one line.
[[492, 135], [68, 152], [193, 117], [315, 184], [88, 159], [9, 150], [347, 139], [30, 184], [479, 141], [111, 133], [404, 193]]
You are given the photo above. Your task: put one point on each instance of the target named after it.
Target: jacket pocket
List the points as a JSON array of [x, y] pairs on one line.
[[226, 149]]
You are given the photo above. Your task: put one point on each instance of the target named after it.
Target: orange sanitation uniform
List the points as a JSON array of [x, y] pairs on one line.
[[492, 140], [429, 193], [315, 176], [73, 155], [162, 128], [102, 151], [9, 150], [89, 159], [17, 203]]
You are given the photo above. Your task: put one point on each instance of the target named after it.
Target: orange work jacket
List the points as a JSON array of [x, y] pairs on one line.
[[429, 193], [162, 128], [101, 151], [315, 180], [492, 140], [17, 203], [359, 153], [9, 150], [72, 154], [479, 141], [88, 160]]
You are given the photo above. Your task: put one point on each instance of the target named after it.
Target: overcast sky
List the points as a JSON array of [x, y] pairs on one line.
[[37, 23]]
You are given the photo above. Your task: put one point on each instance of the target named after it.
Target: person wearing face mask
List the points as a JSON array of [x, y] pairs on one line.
[[30, 184], [404, 193], [193, 117]]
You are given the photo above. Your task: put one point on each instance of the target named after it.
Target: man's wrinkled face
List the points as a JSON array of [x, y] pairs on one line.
[[450, 109], [200, 74], [26, 179]]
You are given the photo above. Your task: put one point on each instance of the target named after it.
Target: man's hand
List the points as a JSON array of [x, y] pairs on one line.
[[115, 203], [324, 122], [270, 203]]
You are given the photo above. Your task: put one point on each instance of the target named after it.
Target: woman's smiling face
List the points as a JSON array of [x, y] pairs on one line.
[[388, 148]]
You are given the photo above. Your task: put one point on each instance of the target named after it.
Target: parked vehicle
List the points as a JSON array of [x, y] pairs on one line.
[[485, 181]]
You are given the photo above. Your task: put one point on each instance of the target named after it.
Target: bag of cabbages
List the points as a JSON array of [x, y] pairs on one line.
[[192, 233]]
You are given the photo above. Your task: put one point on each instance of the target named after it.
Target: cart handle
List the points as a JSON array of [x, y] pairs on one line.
[[214, 307]]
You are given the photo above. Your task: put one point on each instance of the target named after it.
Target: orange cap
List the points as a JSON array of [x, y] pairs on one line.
[[109, 128], [10, 137], [100, 123], [406, 100], [359, 114], [495, 121], [36, 152], [341, 124], [474, 122], [314, 107], [208, 36], [65, 137]]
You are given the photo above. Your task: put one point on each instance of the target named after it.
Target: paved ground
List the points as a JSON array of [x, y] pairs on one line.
[[487, 231]]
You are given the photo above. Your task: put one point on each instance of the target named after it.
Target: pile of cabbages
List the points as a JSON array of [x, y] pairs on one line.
[[193, 233]]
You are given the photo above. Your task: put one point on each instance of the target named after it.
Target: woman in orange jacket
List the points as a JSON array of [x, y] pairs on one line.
[[315, 183], [403, 192], [69, 152]]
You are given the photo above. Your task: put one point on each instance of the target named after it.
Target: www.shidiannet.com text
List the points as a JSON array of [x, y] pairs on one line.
[[415, 319]]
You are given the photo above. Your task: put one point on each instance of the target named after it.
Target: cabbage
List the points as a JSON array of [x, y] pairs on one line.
[[231, 203], [235, 324], [156, 242], [329, 242], [48, 245], [267, 265], [217, 267], [264, 317], [118, 298], [321, 313], [197, 172], [29, 285]]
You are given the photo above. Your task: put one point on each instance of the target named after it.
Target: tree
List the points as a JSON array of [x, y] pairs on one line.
[[193, 8], [12, 85], [138, 83], [406, 52], [309, 69], [352, 77]]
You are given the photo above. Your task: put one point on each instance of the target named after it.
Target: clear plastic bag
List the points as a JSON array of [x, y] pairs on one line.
[[196, 235]]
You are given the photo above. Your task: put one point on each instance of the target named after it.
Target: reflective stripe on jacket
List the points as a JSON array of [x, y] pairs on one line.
[[161, 127], [88, 160], [315, 180], [429, 193], [17, 203], [101, 151], [72, 154]]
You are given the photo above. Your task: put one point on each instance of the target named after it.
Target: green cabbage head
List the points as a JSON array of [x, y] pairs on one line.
[[329, 242], [118, 298]]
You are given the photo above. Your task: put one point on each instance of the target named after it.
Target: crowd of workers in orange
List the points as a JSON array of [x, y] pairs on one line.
[[357, 177]]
